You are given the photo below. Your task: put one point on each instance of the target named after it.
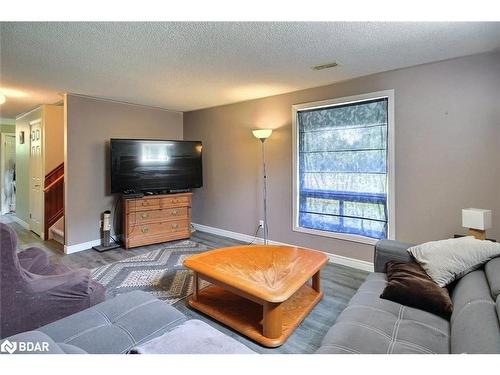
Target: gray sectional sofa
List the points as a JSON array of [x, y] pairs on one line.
[[111, 327], [370, 324], [134, 322]]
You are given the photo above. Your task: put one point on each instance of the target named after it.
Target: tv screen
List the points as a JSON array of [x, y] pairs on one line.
[[139, 165]]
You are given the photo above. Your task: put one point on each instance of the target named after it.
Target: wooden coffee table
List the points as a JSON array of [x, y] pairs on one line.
[[260, 291]]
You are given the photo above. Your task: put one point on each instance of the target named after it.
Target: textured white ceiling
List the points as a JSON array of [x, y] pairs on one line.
[[192, 65]]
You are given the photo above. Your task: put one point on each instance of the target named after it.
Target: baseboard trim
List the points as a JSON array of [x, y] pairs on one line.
[[351, 262], [337, 259], [226, 233], [70, 249]]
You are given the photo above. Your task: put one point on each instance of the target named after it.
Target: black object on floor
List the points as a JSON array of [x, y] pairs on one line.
[[102, 249]]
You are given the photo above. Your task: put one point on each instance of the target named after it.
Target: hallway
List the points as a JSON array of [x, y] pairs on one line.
[[27, 238]]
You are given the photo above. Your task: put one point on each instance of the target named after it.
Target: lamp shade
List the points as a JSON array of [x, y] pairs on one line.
[[476, 218], [262, 133]]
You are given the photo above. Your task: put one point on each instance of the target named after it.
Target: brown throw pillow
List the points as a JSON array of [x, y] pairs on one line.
[[409, 285]]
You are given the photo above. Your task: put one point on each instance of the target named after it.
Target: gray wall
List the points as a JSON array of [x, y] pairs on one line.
[[90, 125], [447, 153]]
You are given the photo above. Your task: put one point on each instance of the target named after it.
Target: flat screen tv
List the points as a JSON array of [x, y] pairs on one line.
[[146, 165]]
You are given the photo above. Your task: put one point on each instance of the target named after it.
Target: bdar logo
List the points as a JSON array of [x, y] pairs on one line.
[[9, 347]]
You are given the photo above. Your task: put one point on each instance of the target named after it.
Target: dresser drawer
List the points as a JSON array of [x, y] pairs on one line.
[[175, 201], [143, 204], [148, 240], [157, 215], [153, 229], [156, 219]]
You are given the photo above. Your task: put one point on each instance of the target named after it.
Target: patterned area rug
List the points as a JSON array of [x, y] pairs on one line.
[[159, 272]]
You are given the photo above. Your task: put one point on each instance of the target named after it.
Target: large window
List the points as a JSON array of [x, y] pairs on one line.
[[343, 167]]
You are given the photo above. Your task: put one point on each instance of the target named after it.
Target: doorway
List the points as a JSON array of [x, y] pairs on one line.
[[36, 178], [7, 173]]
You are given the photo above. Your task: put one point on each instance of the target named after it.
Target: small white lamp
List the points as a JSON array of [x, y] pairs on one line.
[[477, 220], [263, 134]]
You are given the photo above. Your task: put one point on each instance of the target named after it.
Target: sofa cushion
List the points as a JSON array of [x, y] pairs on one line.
[[386, 250], [448, 260], [116, 325], [492, 270], [475, 326], [409, 285], [370, 324], [498, 308]]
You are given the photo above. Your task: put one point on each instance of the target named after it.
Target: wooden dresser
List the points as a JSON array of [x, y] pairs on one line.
[[156, 218]]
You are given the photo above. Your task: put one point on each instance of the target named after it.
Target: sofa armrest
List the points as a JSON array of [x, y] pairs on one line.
[[386, 250], [73, 284], [34, 260]]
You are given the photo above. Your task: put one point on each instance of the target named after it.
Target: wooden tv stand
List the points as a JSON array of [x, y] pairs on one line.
[[156, 218]]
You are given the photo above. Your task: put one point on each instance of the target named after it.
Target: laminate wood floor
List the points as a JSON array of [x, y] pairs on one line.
[[339, 284]]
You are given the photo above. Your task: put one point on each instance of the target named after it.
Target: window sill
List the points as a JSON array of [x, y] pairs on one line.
[[338, 236]]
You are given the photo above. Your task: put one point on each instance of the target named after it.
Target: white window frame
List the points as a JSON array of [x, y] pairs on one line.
[[389, 94]]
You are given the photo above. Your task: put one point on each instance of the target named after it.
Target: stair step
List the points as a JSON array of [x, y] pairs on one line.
[[57, 231]]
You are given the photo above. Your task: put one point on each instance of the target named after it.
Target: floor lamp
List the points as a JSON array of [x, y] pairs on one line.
[[263, 134]]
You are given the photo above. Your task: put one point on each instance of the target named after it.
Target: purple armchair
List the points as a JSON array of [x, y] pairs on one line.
[[34, 292]]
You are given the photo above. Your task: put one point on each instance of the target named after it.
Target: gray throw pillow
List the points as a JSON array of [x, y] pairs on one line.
[[448, 260]]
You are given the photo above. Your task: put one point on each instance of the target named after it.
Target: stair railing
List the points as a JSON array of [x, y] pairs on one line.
[[53, 197]]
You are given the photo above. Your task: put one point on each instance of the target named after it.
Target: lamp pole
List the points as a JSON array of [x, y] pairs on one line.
[[265, 188], [263, 134]]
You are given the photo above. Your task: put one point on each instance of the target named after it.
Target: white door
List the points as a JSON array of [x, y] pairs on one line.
[[36, 178], [8, 167]]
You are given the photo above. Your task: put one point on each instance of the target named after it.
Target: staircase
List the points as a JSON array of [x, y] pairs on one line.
[[54, 204], [56, 232]]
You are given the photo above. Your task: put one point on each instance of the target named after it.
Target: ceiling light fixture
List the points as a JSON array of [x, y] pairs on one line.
[[13, 93], [2, 99], [325, 66]]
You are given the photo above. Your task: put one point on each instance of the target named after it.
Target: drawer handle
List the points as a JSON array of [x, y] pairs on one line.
[[145, 230], [175, 225], [145, 215], [174, 212]]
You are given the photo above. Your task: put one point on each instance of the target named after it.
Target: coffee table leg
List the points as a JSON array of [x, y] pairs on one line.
[[195, 286], [316, 282], [272, 320]]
